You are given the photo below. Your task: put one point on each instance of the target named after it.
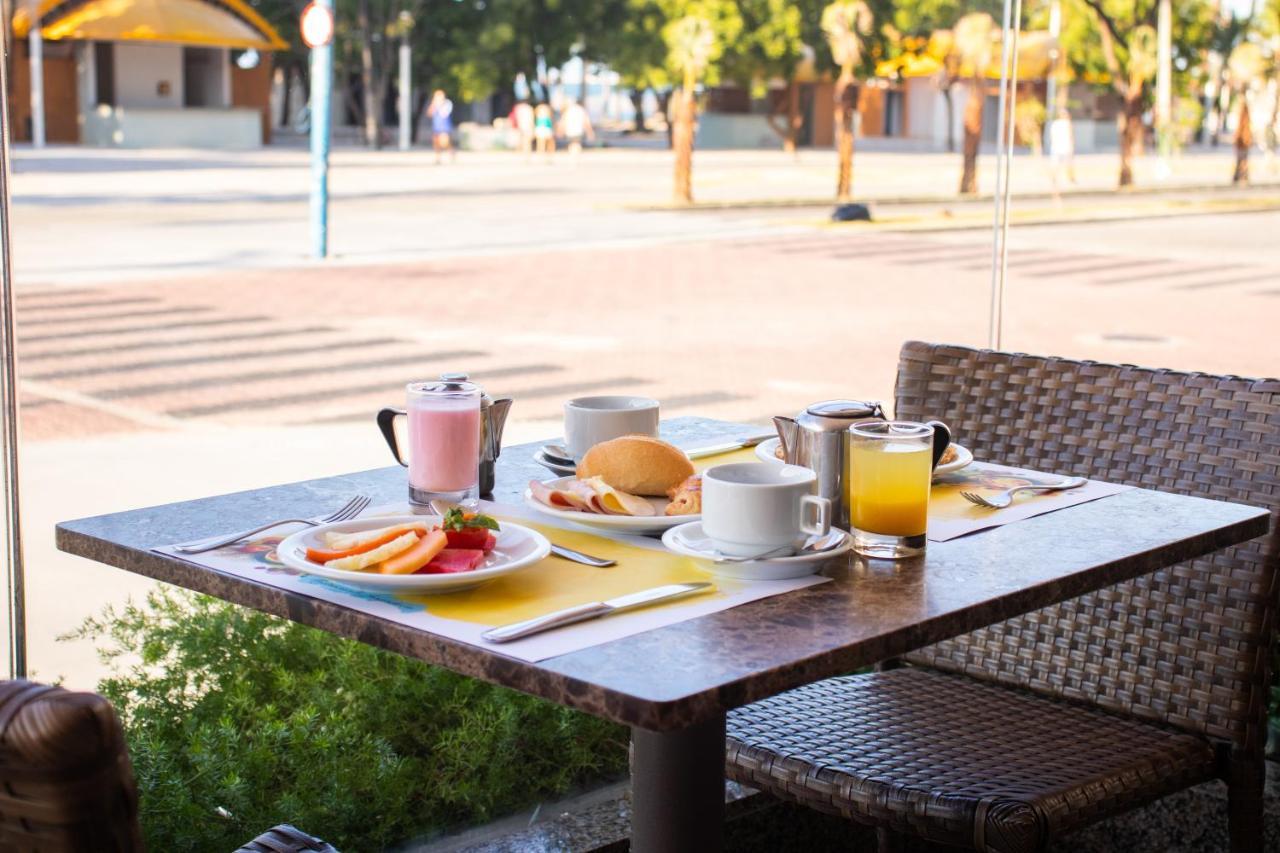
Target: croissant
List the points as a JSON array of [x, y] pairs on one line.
[[686, 498]]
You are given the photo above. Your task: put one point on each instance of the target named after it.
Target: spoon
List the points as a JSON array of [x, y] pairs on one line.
[[556, 453], [812, 545]]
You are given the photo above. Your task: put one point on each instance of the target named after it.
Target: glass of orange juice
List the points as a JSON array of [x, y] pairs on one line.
[[890, 468]]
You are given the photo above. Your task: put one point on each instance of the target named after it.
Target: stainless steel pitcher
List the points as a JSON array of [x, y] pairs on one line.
[[493, 417], [816, 438]]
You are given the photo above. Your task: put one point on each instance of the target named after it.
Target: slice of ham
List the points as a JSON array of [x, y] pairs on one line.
[[560, 498], [594, 496]]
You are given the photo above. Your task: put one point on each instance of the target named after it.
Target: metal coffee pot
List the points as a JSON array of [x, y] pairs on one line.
[[817, 439], [493, 417]]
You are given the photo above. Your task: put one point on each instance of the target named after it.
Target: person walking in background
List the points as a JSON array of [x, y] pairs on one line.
[[575, 123], [440, 111], [522, 118], [544, 133], [1062, 149]]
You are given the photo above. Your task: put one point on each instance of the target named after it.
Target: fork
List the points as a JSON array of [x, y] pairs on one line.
[[1005, 498], [346, 512]]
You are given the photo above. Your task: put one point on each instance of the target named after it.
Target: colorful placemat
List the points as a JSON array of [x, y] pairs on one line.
[[951, 516], [551, 585]]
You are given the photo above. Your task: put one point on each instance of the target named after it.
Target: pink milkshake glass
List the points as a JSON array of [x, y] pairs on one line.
[[443, 439]]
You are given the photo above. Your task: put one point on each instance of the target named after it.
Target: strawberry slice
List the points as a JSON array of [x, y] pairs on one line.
[[468, 537]]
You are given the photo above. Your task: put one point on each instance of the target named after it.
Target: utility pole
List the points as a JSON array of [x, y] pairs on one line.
[[1164, 84], [12, 565], [35, 47], [406, 81], [317, 33]]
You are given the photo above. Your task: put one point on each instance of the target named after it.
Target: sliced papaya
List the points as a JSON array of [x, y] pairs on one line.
[[416, 557]]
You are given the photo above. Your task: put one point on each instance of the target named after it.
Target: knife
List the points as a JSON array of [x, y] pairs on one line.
[[726, 447], [591, 610]]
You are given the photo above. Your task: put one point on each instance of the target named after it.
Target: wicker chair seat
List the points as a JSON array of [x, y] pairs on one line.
[[955, 760]]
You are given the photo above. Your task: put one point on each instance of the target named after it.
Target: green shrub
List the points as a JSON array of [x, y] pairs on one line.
[[237, 721]]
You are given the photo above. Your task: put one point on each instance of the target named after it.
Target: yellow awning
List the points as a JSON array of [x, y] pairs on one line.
[[209, 23], [1034, 60]]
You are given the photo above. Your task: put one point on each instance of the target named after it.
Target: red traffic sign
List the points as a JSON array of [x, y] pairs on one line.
[[317, 25]]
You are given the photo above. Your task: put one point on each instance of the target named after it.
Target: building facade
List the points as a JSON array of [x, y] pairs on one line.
[[147, 73]]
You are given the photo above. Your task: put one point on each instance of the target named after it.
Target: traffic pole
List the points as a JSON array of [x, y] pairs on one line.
[[1164, 84], [321, 122], [406, 92], [35, 49]]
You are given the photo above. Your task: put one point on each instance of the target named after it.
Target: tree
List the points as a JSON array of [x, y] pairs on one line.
[[1126, 37], [293, 61], [928, 24], [771, 47], [1246, 65], [845, 23], [973, 41], [692, 46]]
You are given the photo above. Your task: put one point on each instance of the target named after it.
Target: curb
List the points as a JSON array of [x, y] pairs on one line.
[[1100, 192]]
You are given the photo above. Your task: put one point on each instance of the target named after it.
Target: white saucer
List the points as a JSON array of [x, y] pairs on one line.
[[553, 466], [766, 449], [690, 541], [517, 548], [640, 524]]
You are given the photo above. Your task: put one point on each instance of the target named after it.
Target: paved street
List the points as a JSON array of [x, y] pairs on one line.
[[163, 356]]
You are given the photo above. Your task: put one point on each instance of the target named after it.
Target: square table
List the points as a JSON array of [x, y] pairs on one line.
[[673, 685]]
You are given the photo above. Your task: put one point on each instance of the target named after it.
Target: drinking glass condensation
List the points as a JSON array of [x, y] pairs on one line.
[[890, 469], [444, 441]]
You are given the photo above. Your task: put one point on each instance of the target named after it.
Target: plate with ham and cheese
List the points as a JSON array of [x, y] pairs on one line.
[[591, 501], [415, 553]]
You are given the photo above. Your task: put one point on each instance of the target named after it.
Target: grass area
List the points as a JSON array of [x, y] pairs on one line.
[[237, 721]]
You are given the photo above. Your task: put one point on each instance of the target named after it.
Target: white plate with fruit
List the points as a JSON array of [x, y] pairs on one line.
[[415, 553], [633, 484]]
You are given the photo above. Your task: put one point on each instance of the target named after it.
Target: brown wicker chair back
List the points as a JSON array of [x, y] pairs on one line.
[[65, 779], [1187, 646]]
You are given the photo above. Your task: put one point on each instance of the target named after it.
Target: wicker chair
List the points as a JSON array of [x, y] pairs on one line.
[[66, 784], [1017, 733]]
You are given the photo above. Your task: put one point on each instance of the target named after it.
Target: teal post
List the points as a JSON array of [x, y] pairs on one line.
[[321, 120]]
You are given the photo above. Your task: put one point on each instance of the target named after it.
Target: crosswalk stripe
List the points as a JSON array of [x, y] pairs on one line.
[[181, 310], [181, 343], [212, 358], [133, 330], [281, 401], [321, 369], [33, 308], [1224, 282], [1178, 271]]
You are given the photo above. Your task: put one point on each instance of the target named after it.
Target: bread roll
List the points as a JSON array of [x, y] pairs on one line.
[[637, 464]]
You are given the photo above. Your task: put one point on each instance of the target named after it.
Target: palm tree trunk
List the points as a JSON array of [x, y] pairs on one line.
[[845, 100], [794, 121], [637, 103], [1130, 134], [682, 141], [1244, 141], [951, 117], [973, 107], [372, 125]]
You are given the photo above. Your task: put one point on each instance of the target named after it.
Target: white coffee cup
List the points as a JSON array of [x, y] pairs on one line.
[[751, 508], [591, 420]]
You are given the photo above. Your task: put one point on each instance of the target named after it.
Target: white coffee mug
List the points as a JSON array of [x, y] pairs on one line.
[[751, 508], [591, 420]]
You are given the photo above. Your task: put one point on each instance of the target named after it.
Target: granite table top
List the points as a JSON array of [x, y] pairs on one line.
[[683, 674]]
